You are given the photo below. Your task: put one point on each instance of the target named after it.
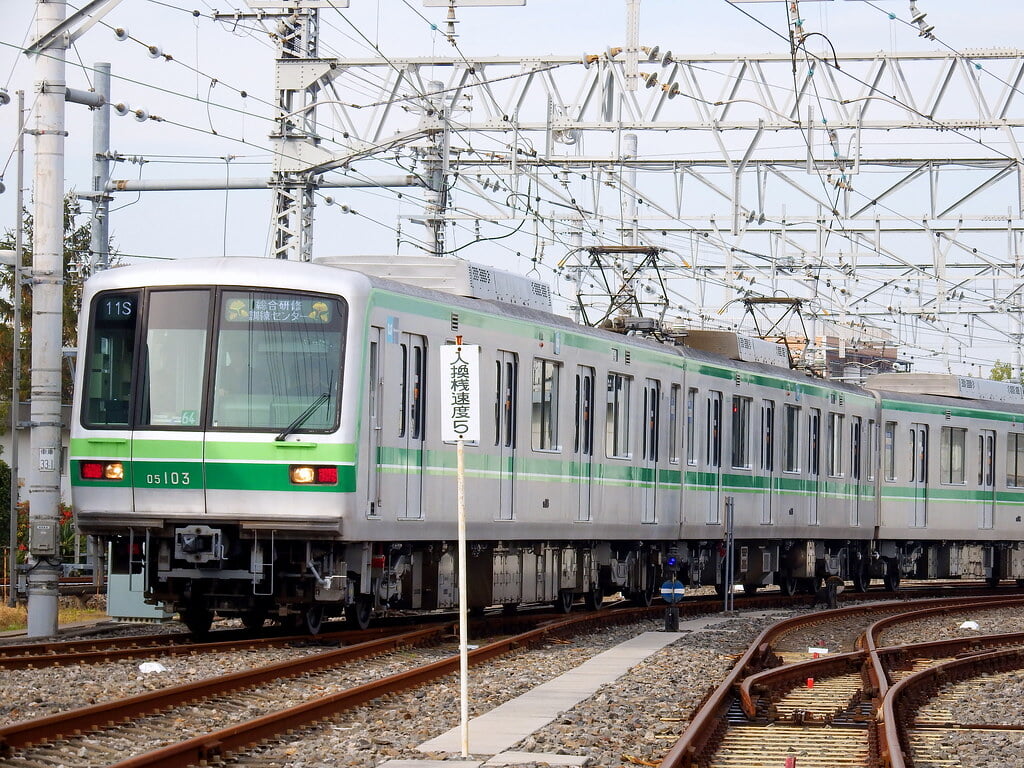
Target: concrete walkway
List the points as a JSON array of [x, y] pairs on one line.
[[496, 731]]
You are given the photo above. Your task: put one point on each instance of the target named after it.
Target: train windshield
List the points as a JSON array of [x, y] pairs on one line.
[[278, 362]]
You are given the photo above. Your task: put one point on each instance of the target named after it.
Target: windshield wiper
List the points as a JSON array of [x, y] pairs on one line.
[[304, 416]]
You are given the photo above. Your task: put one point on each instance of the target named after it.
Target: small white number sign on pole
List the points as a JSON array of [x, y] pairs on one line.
[[460, 421]]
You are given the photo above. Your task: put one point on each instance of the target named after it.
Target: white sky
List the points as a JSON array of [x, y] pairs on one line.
[[183, 224]]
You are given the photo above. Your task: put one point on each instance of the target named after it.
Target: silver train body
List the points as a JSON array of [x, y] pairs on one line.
[[260, 438]]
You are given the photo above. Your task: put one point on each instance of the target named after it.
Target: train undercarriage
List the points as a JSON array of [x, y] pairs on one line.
[[205, 571]]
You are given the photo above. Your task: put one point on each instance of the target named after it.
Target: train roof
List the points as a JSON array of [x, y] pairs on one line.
[[258, 271]]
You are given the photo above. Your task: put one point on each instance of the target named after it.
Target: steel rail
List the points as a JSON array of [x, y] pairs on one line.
[[905, 695], [709, 722], [211, 747], [50, 727]]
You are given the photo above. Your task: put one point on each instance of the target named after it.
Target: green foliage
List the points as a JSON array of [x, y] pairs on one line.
[[76, 249], [1001, 371]]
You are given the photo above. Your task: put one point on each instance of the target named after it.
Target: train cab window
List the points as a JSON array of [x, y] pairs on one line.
[[952, 455], [108, 380], [814, 441], [691, 427], [617, 416], [278, 361], [1015, 460], [741, 432], [889, 450], [544, 417], [174, 358], [673, 424], [791, 454], [835, 444]]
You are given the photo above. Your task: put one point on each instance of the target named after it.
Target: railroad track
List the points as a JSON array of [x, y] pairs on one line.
[[171, 728], [781, 706]]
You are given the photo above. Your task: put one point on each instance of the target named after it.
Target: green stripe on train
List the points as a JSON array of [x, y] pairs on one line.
[[300, 451], [220, 476]]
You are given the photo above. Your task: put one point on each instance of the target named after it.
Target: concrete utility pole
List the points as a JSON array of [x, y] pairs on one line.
[[47, 309]]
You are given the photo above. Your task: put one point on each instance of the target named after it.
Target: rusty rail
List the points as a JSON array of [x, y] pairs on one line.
[[905, 695], [214, 746], [709, 722], [46, 728]]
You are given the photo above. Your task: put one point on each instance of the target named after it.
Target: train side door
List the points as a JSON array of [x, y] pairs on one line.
[[713, 456], [650, 451], [374, 460], [987, 479], [767, 460], [856, 466], [506, 393], [814, 463], [173, 370], [918, 475], [412, 421], [583, 440]]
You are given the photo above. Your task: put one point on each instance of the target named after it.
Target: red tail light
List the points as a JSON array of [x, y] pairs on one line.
[[92, 470], [327, 475]]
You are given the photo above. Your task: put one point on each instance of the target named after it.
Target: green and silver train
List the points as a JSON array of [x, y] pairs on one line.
[[260, 438]]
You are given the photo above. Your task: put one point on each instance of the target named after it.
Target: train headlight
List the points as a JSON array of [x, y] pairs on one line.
[[102, 470], [305, 474]]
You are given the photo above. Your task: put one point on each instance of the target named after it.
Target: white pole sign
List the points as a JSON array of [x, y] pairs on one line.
[[460, 421], [460, 392]]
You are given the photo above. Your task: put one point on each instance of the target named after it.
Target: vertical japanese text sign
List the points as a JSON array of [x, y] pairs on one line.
[[460, 392]]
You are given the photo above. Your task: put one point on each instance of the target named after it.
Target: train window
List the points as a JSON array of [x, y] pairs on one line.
[[108, 379], [544, 417], [835, 444], [856, 450], [813, 441], [741, 432], [417, 376], [714, 430], [506, 372], [278, 361], [952, 455], [889, 450], [583, 441], [403, 389], [988, 459], [174, 361], [652, 417], [617, 416], [691, 426], [791, 456], [673, 424], [1015, 460], [872, 448], [768, 435]]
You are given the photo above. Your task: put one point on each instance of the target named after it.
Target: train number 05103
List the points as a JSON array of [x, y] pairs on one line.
[[169, 478]]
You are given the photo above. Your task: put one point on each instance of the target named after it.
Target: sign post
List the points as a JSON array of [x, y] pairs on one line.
[[460, 421]]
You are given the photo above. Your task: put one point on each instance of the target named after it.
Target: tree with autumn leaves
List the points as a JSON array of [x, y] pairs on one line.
[[77, 235]]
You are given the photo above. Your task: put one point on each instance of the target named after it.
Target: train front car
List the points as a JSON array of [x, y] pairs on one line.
[[209, 444]]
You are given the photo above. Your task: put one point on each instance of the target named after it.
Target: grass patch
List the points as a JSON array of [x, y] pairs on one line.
[[17, 617]]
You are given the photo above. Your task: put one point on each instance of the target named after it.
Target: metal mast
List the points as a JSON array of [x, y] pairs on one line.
[[296, 130]]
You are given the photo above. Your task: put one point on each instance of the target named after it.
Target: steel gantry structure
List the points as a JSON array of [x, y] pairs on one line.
[[883, 185]]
